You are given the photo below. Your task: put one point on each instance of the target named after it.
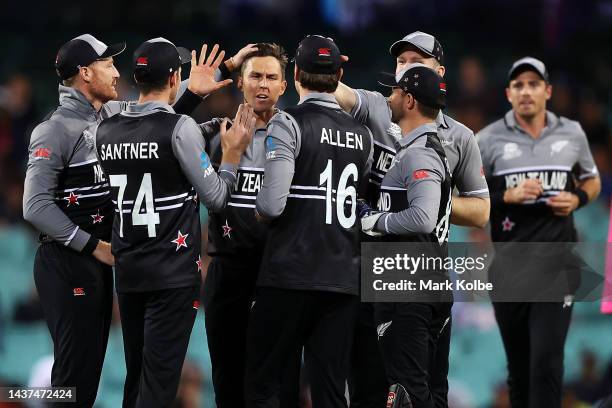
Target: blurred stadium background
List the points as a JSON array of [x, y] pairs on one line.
[[480, 38]]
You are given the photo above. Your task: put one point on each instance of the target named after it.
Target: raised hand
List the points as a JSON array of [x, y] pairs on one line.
[[235, 140], [202, 75], [235, 62]]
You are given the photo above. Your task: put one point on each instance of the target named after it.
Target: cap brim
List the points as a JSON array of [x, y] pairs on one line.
[[396, 46], [525, 66], [387, 79], [113, 50], [184, 55]]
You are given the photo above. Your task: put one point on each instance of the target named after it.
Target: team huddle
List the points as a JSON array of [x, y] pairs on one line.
[[291, 195]]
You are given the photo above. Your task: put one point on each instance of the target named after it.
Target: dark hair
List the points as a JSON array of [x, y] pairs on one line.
[[427, 111], [146, 87], [319, 82], [268, 50]]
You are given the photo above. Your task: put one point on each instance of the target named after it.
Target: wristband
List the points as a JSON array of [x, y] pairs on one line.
[[583, 197], [91, 245], [225, 71]]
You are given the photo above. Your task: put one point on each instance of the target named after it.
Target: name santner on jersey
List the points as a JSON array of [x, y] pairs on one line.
[[129, 151]]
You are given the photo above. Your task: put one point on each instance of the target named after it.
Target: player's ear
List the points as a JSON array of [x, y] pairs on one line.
[[508, 94], [441, 70], [340, 74], [86, 74], [409, 102], [239, 83], [283, 87], [548, 91], [296, 73]]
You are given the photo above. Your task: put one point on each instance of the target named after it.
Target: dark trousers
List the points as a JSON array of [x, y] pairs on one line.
[[534, 339], [415, 348], [76, 293], [283, 322], [229, 291], [156, 329], [368, 386]]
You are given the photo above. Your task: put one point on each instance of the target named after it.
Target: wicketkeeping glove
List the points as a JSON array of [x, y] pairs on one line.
[[369, 217]]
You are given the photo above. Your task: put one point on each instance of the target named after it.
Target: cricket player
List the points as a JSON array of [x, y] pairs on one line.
[[236, 238], [317, 159], [540, 170], [158, 172], [418, 194]]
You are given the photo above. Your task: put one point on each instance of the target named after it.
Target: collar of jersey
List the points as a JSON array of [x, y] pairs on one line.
[[320, 97], [441, 120], [552, 121], [73, 99], [414, 133], [146, 108]]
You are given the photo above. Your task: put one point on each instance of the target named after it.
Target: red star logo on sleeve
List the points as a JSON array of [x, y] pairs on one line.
[[97, 218], [180, 241], [72, 199], [199, 263], [507, 225], [227, 230]]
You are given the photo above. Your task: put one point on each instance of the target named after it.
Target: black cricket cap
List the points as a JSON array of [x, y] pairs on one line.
[[154, 60], [426, 43], [420, 81], [82, 51], [318, 55], [528, 64]]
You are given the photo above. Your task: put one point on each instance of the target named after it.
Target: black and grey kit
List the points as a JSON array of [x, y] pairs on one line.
[[367, 384], [236, 243], [317, 158], [559, 157], [158, 171], [415, 195], [66, 197]]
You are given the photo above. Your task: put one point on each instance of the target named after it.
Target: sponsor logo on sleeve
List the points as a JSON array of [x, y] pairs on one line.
[[420, 174], [270, 148], [41, 153], [205, 164]]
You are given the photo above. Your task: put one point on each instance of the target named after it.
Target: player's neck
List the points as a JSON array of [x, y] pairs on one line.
[[262, 118], [95, 102], [532, 125], [163, 97], [410, 122]]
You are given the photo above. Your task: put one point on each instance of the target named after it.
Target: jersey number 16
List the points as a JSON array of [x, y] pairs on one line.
[[343, 193]]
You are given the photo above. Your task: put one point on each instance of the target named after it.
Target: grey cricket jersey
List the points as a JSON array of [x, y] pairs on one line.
[[458, 141], [233, 230], [559, 158], [415, 193]]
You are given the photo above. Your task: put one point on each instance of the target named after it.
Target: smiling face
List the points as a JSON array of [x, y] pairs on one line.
[[103, 77], [528, 93], [262, 83]]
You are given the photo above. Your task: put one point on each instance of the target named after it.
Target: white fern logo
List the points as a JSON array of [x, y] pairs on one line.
[[557, 147]]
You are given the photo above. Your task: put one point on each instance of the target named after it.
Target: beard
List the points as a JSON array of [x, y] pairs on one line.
[[396, 114], [103, 91]]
